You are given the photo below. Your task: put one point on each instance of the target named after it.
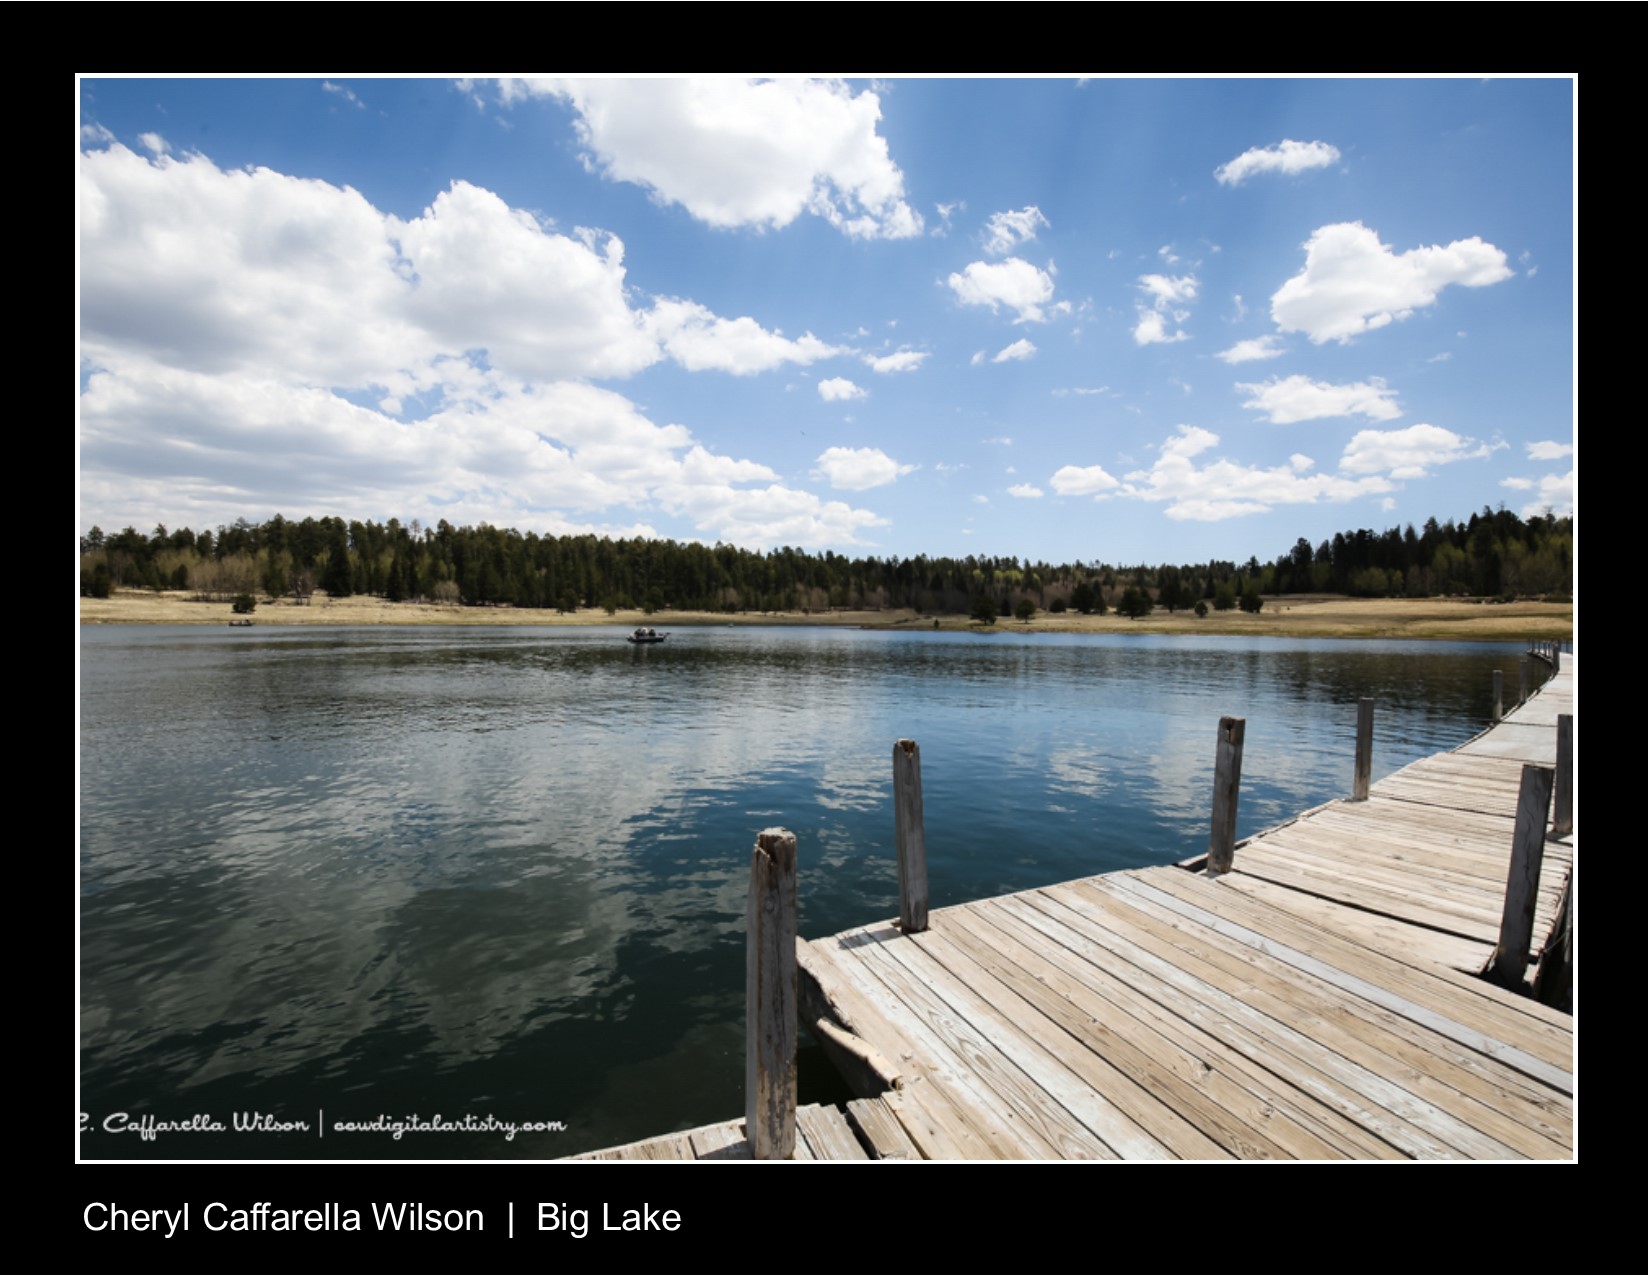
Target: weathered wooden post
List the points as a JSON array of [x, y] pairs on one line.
[[1555, 972], [1523, 678], [1495, 685], [1228, 775], [1365, 750], [910, 843], [1512, 950], [770, 997], [1564, 778]]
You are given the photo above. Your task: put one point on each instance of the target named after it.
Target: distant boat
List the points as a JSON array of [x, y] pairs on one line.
[[241, 624], [646, 637]]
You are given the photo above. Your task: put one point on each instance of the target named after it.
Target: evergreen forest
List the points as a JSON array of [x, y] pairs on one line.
[[1492, 554]]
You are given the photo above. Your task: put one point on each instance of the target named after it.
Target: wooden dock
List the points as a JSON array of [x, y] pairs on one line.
[[1319, 1001]]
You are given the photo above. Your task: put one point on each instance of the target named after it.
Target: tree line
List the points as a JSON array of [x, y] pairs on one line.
[[1492, 554]]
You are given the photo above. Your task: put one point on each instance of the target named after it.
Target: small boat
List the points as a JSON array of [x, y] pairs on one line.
[[646, 637]]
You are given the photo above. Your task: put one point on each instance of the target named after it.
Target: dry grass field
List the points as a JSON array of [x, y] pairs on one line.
[[1294, 616]]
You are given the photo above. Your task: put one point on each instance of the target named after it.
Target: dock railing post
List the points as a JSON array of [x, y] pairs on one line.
[[1512, 950], [1523, 678], [1365, 750], [1495, 686], [1564, 777], [770, 997], [1228, 775], [910, 842]]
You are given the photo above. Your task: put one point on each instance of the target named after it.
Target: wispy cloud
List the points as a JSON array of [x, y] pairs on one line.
[[1167, 296], [1006, 231], [341, 91], [1288, 157], [1252, 350], [903, 359]]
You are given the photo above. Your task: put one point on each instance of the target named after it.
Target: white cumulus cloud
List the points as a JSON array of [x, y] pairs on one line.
[[1025, 491], [258, 343], [1224, 489], [1299, 398], [1558, 493], [702, 341], [859, 468], [1153, 329], [1017, 284], [839, 389], [1353, 283], [1548, 449], [1017, 352], [1287, 157], [1408, 453], [777, 515], [1086, 480], [742, 152]]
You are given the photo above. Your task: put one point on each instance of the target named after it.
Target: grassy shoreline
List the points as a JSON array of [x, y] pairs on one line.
[[1291, 616]]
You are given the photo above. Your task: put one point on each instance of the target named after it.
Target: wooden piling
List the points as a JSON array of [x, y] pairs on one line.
[[1555, 972], [1523, 678], [1512, 950], [1365, 751], [1228, 775], [1564, 778], [770, 997], [910, 843], [1495, 685]]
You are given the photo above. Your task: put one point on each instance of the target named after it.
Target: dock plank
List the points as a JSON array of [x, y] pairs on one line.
[[1320, 1001]]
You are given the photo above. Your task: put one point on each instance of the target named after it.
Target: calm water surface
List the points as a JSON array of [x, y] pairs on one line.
[[344, 874]]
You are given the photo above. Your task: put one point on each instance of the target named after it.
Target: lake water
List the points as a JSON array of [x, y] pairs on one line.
[[350, 874]]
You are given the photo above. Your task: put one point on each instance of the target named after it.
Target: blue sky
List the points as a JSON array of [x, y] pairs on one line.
[[1126, 320]]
